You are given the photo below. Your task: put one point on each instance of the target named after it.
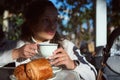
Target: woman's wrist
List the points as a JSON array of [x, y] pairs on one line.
[[15, 54], [76, 63]]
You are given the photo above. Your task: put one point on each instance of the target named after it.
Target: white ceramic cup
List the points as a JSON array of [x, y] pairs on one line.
[[47, 49]]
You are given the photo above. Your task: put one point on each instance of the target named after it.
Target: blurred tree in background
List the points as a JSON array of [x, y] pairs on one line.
[[81, 14], [113, 14]]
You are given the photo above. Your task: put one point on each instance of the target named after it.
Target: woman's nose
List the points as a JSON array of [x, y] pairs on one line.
[[53, 25]]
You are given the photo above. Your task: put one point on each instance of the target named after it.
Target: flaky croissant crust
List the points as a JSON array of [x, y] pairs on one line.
[[39, 69]]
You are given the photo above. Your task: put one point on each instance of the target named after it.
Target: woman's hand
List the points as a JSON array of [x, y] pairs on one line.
[[60, 57], [26, 51]]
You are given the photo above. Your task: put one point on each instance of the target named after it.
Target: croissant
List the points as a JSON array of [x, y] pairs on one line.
[[19, 73], [38, 69]]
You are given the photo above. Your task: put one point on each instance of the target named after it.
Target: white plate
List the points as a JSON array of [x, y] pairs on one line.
[[56, 69], [12, 77]]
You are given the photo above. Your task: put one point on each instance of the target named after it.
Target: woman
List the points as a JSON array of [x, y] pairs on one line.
[[40, 27]]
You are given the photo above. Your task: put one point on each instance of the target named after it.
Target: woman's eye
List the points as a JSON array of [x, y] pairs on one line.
[[45, 21], [56, 21]]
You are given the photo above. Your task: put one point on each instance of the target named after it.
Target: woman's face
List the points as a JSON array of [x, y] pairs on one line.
[[47, 26]]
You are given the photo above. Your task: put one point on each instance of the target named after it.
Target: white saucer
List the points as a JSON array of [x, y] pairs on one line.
[[56, 69], [12, 77]]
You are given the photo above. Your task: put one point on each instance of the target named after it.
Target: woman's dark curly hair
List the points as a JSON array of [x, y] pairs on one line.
[[32, 14]]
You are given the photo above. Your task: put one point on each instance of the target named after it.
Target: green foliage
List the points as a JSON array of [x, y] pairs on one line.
[[79, 12], [15, 23]]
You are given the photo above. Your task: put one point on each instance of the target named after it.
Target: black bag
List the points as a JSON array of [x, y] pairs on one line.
[[110, 65]]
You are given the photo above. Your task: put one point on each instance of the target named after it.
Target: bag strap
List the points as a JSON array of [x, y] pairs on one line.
[[106, 51], [110, 41]]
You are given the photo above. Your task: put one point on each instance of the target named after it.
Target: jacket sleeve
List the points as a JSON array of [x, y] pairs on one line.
[[6, 52], [5, 57], [86, 70]]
